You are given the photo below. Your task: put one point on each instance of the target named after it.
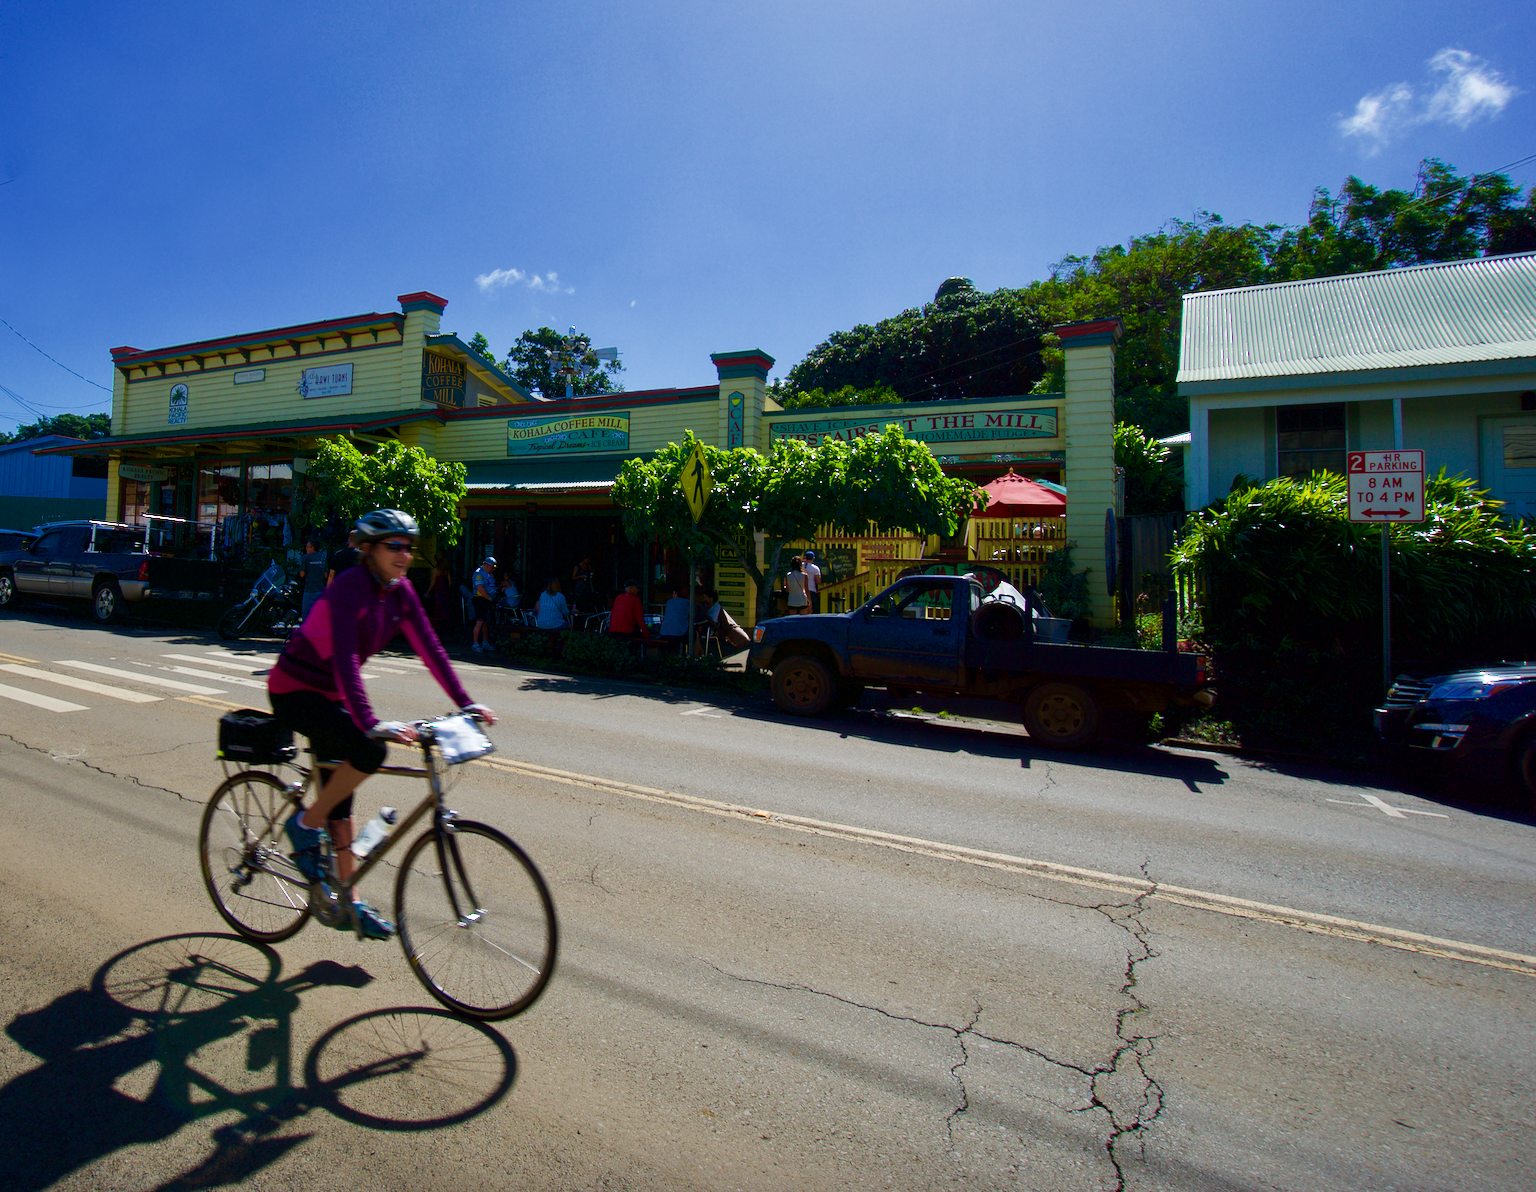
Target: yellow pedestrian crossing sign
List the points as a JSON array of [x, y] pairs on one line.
[[696, 482]]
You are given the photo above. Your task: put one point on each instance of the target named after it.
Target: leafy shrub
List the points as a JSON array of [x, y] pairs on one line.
[[599, 652], [1292, 610], [1064, 591]]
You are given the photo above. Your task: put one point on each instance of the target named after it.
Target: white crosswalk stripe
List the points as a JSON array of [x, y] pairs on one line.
[[141, 677], [122, 693], [248, 668], [46, 702], [237, 680]]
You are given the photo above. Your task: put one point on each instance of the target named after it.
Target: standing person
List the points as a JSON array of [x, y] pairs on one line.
[[342, 559], [313, 567], [628, 616], [794, 586], [551, 610], [316, 688], [581, 586], [484, 588], [813, 581]]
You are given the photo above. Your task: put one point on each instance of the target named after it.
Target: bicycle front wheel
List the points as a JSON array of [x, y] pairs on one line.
[[476, 921], [254, 885]]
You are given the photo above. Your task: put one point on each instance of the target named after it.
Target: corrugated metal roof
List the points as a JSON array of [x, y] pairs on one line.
[[1452, 313]]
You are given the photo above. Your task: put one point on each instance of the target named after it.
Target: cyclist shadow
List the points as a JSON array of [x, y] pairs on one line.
[[196, 1026]]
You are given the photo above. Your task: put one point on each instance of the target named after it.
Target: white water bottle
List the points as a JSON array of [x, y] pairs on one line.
[[374, 832]]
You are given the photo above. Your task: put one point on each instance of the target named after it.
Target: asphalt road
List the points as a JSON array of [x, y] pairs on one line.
[[869, 952]]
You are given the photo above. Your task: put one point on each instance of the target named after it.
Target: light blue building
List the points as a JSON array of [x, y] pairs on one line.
[[41, 488], [1285, 379]]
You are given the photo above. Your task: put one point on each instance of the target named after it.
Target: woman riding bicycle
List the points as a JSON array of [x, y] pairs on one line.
[[316, 687]]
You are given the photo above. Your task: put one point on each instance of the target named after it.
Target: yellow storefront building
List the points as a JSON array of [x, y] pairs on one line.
[[211, 441]]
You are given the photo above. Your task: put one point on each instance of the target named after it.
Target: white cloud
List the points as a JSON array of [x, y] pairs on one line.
[[500, 279], [1471, 89], [1468, 89]]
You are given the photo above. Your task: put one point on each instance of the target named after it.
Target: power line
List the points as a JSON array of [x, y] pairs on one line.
[[60, 363]]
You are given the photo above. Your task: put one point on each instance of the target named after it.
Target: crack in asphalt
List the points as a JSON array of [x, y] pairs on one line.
[[1050, 781], [1135, 1048], [1127, 1061], [79, 760]]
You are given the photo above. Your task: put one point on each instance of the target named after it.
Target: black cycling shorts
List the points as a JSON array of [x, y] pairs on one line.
[[482, 608], [332, 734]]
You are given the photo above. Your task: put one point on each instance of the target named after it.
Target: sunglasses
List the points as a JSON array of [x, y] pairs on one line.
[[399, 548]]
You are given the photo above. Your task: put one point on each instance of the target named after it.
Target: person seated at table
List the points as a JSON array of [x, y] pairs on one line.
[[675, 617], [726, 629], [628, 616], [509, 596], [551, 611]]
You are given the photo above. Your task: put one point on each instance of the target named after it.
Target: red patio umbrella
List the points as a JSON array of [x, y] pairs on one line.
[[1018, 496]]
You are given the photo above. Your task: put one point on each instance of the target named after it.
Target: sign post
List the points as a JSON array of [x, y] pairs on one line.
[[1386, 487], [697, 483]]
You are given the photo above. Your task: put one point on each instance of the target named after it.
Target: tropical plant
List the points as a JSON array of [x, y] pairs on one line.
[[1292, 609], [349, 482], [1154, 478], [885, 481]]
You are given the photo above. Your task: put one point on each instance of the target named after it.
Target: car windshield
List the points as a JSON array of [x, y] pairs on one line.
[[916, 601]]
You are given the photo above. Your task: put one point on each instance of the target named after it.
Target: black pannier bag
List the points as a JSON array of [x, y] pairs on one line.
[[254, 738]]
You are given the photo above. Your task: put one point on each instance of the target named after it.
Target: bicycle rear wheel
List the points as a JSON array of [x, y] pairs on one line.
[[476, 921], [254, 885]]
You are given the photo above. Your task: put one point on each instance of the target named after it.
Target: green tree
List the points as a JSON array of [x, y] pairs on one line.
[[1154, 479], [348, 483], [481, 347], [886, 481], [542, 361], [76, 426], [876, 395], [1144, 283], [1445, 217], [965, 343]]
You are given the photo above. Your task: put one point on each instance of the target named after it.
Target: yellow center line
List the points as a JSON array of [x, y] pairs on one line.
[[204, 701], [19, 658], [1314, 922]]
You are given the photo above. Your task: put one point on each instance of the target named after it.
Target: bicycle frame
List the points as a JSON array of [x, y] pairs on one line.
[[447, 850]]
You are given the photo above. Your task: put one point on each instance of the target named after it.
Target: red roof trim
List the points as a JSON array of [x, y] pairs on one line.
[[424, 296], [130, 356], [1111, 326], [609, 401]]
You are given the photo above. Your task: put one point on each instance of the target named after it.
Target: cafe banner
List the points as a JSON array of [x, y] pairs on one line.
[[442, 380], [1033, 422], [558, 434]]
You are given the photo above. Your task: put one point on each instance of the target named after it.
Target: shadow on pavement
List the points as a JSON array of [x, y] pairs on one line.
[[190, 1027]]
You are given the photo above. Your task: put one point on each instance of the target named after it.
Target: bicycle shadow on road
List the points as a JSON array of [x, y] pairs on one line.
[[199, 1026]]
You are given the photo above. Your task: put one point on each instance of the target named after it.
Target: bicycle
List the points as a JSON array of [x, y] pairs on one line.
[[484, 948]]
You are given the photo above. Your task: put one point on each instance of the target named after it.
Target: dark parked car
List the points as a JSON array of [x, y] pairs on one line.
[[1482, 720], [16, 539]]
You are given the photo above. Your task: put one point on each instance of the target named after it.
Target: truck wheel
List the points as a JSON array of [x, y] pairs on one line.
[[107, 604], [8, 595], [1061, 715], [803, 686]]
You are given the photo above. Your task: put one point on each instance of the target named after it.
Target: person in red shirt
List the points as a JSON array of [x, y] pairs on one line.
[[628, 616]]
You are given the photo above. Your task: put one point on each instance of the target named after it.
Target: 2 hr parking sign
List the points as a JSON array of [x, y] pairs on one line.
[[1386, 487]]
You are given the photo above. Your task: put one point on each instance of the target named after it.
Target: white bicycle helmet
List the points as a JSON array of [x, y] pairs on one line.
[[381, 523]]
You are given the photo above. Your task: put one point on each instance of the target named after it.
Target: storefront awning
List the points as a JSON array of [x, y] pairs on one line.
[[224, 437]]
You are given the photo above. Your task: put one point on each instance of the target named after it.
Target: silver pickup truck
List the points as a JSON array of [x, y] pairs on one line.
[[103, 562]]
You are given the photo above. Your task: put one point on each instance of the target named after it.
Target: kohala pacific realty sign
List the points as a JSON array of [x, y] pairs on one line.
[[555, 434]]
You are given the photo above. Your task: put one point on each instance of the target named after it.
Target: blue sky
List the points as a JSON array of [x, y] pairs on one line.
[[693, 178]]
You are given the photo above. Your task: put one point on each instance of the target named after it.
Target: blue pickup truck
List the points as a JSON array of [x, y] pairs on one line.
[[103, 562], [936, 634]]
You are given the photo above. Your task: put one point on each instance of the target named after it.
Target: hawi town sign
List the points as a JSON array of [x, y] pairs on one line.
[[1035, 422]]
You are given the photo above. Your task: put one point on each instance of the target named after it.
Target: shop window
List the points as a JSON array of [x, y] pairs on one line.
[[135, 502], [218, 504], [1311, 439], [88, 467], [269, 500]]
